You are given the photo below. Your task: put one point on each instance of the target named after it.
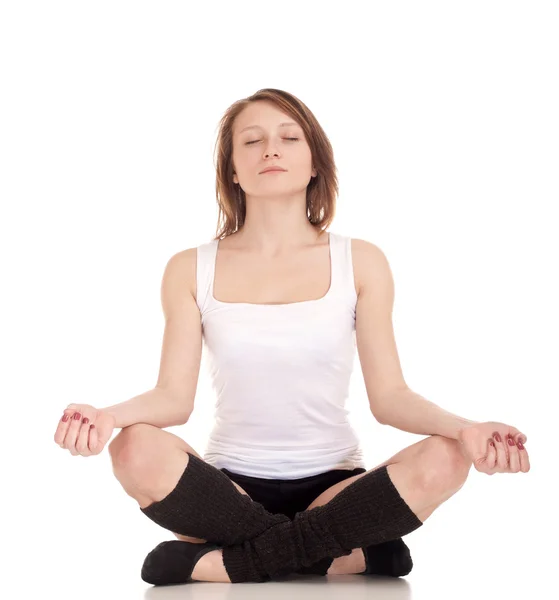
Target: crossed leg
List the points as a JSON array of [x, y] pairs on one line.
[[425, 474], [147, 460]]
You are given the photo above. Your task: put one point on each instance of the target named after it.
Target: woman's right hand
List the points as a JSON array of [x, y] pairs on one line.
[[84, 430]]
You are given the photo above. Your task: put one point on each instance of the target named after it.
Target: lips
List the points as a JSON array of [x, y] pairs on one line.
[[268, 169]]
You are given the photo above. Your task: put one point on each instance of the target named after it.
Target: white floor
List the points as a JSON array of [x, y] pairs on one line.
[[428, 585], [477, 582]]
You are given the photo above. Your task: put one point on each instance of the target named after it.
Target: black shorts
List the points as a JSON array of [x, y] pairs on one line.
[[289, 496]]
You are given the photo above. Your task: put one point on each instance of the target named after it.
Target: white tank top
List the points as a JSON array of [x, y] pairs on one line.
[[281, 374]]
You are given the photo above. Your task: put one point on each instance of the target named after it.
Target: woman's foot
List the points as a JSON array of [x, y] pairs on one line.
[[352, 563], [175, 561], [211, 568]]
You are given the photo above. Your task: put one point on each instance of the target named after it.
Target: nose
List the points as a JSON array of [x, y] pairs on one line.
[[267, 154]]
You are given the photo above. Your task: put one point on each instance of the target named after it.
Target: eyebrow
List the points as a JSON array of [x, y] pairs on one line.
[[258, 126]]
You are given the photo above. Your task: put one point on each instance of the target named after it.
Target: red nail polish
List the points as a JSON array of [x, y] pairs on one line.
[[65, 418], [497, 436], [77, 416], [92, 427], [85, 420], [520, 445], [511, 442], [492, 443]]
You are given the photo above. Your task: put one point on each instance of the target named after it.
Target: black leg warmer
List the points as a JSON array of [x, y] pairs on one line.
[[391, 558], [205, 504], [368, 511]]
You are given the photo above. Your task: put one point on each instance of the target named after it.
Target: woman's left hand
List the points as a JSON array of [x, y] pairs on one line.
[[488, 446]]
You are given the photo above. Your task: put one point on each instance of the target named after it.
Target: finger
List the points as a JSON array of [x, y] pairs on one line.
[[518, 435], [502, 457], [82, 439], [93, 439], [72, 434], [520, 440], [491, 456], [523, 457], [62, 428], [514, 459]]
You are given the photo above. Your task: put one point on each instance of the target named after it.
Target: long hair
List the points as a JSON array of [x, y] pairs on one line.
[[322, 190]]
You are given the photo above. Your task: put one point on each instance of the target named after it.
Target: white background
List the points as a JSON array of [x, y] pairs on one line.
[[444, 122]]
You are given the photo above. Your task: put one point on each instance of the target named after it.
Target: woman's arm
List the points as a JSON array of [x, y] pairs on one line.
[[408, 411], [172, 400], [390, 399], [154, 407]]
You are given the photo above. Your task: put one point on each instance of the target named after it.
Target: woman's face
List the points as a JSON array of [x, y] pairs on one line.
[[261, 139]]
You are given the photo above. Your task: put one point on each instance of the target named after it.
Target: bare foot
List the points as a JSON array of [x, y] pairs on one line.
[[352, 563], [211, 568]]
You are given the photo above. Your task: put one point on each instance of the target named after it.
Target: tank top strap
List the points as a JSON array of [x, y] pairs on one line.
[[342, 277], [342, 268]]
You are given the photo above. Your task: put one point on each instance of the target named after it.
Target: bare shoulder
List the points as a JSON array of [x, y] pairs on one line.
[[180, 271], [369, 263]]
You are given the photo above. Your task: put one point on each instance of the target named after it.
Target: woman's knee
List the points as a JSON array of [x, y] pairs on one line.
[[446, 465], [129, 443], [140, 443]]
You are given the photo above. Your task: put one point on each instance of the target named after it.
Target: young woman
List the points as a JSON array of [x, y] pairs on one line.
[[282, 305]]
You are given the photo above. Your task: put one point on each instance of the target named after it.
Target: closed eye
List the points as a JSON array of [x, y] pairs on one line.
[[254, 141]]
